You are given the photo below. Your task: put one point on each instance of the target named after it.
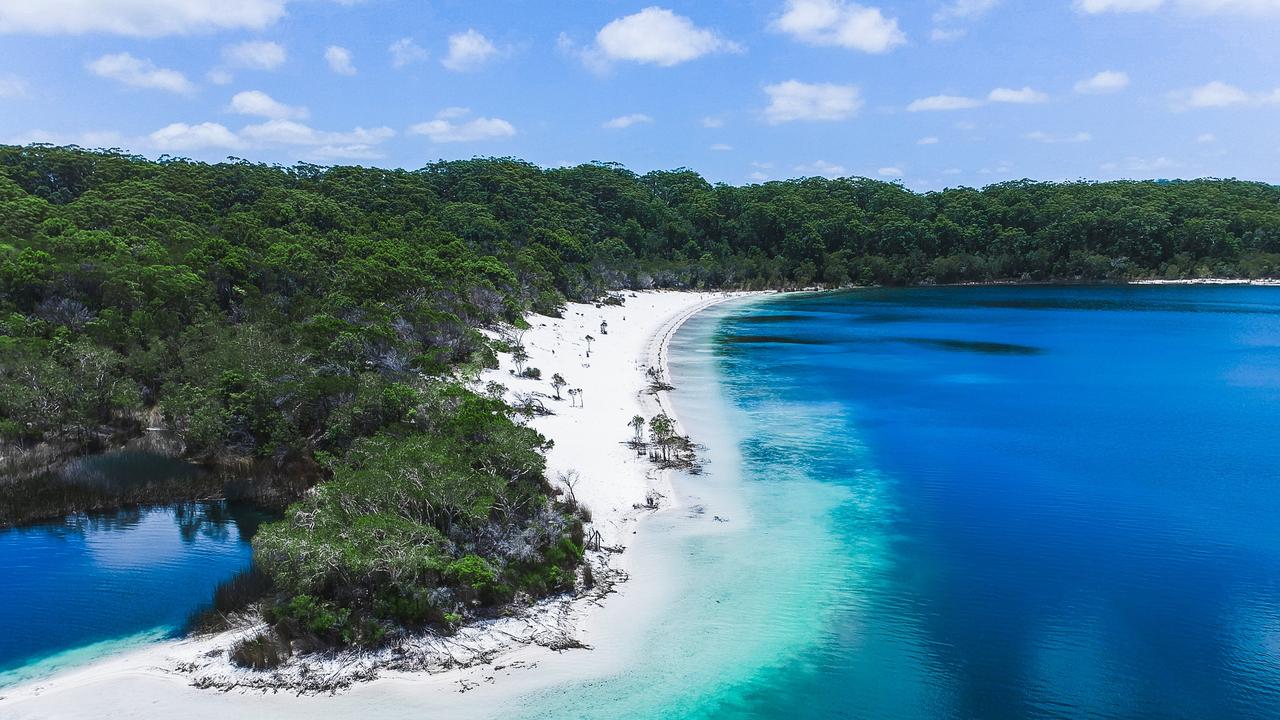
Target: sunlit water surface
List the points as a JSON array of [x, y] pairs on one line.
[[1018, 502], [88, 586]]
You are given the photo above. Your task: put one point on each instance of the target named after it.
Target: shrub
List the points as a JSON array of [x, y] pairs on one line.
[[416, 523], [260, 652], [472, 571]]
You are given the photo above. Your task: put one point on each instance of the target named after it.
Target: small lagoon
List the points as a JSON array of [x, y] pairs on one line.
[[88, 586]]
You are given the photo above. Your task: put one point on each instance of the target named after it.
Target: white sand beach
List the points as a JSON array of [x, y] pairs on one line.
[[1267, 282], [505, 658]]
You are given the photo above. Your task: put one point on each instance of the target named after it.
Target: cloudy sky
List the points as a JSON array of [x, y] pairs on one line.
[[933, 93]]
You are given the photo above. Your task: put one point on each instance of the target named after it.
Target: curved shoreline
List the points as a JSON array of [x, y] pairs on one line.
[[164, 673], [658, 353]]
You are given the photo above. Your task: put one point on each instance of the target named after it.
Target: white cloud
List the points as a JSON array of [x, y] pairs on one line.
[[339, 59], [943, 102], [712, 122], [1022, 96], [939, 103], [757, 176], [1214, 94], [140, 18], [1207, 138], [468, 51], [1142, 165], [795, 100], [136, 72], [181, 136], [218, 76], [839, 23], [823, 168], [1049, 138], [654, 36], [1218, 94], [289, 132], [964, 10], [1158, 163], [1107, 81], [358, 143], [256, 102], [1004, 167], [347, 152], [450, 126], [928, 141], [12, 86], [254, 55], [405, 52], [1102, 6], [890, 172], [958, 12], [567, 46], [721, 147], [1191, 7], [625, 121], [952, 171]]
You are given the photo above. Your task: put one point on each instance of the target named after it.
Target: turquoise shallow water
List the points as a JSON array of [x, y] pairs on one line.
[[1018, 502]]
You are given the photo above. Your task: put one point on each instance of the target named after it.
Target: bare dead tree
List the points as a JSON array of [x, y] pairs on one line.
[[570, 479]]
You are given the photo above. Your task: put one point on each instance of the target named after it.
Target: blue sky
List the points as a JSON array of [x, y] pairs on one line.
[[932, 93]]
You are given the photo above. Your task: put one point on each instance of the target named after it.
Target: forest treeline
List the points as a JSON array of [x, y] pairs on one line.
[[321, 315]]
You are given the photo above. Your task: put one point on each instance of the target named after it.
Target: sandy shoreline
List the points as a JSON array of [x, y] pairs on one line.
[[1210, 281], [490, 665]]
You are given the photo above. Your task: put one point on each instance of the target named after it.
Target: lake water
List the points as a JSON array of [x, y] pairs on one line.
[[987, 503], [91, 585]]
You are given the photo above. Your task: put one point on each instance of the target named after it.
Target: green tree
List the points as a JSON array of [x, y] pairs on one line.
[[662, 429], [637, 424]]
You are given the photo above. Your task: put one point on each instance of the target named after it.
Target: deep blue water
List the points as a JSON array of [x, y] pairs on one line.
[[1062, 501], [87, 586]]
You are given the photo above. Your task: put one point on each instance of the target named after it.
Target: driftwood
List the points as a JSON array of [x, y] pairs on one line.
[[531, 406]]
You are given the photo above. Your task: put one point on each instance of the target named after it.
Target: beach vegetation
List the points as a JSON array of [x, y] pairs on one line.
[[570, 480], [637, 424], [263, 651], [662, 430], [519, 356]]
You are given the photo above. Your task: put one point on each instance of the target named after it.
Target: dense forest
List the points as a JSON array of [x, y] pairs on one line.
[[325, 320]]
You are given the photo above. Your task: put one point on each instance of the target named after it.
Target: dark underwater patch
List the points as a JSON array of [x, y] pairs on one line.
[[978, 346], [882, 318], [765, 339], [767, 319], [1126, 305]]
